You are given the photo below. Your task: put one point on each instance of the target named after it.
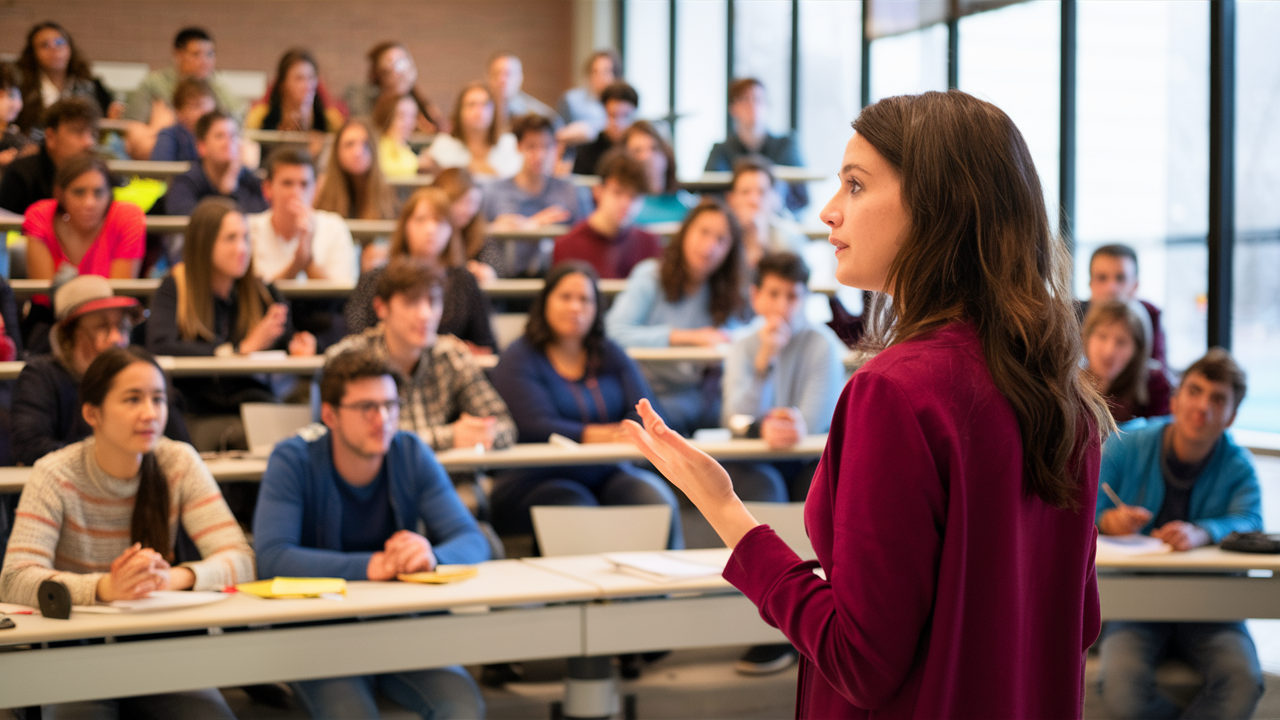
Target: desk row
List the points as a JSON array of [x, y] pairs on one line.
[[521, 455]]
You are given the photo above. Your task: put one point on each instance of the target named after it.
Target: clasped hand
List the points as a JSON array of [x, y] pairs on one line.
[[140, 571], [404, 552]]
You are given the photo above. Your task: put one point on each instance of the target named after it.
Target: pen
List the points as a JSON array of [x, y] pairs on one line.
[[1106, 487]]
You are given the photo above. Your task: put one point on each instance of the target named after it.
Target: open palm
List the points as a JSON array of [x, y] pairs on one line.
[[696, 473]]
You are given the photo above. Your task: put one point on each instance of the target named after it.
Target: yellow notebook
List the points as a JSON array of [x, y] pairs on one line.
[[442, 574], [285, 587]]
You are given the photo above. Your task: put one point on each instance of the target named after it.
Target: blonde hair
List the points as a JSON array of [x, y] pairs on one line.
[[367, 197]]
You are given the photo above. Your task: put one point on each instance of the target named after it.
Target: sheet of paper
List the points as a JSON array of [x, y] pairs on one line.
[[159, 600], [441, 575], [1129, 545], [659, 566]]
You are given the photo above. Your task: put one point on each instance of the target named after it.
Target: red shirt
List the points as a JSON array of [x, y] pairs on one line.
[[949, 592], [613, 257], [123, 236]]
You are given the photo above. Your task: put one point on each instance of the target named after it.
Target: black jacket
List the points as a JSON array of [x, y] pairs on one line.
[[46, 412], [27, 180]]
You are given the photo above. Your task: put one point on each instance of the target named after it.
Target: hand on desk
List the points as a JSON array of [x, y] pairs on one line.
[[470, 430], [404, 552], [783, 428], [1181, 536], [1125, 520], [697, 475], [137, 572]]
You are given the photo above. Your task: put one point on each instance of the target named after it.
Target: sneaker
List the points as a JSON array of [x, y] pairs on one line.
[[767, 659]]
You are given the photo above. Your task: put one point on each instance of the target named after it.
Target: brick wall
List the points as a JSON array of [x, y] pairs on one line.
[[449, 39]]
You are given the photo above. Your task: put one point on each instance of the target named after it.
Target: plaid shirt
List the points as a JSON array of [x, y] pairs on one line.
[[446, 383]]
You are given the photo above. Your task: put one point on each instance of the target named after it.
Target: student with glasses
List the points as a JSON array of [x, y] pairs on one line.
[[347, 499]]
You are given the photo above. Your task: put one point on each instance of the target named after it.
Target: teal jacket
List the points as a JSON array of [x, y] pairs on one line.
[[1224, 499]]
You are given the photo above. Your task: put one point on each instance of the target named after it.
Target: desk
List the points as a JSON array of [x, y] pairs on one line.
[[161, 170], [719, 181], [249, 469], [203, 366], [1205, 584]]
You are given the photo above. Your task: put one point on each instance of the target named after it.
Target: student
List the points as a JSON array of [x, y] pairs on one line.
[[693, 295], [1185, 481], [620, 102], [1113, 275], [666, 202], [70, 128], [53, 69], [753, 200], [565, 377], [781, 381], [531, 199], [581, 108], [1133, 385], [505, 77], [46, 410], [81, 226], [349, 500], [962, 461], [394, 116], [295, 101], [446, 399], [476, 142], [219, 173], [192, 100], [13, 141], [291, 239], [423, 232], [748, 107], [101, 516], [607, 239], [214, 304], [353, 185], [393, 72], [149, 108], [469, 227]]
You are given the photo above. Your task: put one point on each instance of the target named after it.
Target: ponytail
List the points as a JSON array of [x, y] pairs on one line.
[[150, 523]]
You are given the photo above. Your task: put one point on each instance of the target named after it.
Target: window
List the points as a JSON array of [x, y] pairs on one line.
[[762, 50], [911, 63], [1142, 163], [1256, 311], [1011, 58], [648, 62], [701, 81]]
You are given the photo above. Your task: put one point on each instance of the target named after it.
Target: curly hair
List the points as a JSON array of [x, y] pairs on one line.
[[726, 282]]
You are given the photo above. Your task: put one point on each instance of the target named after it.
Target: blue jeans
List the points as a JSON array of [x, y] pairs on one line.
[[435, 694], [515, 492], [193, 704], [1223, 654]]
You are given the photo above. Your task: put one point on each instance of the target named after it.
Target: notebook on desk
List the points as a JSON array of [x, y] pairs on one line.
[[266, 424]]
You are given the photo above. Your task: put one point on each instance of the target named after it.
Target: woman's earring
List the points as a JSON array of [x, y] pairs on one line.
[[66, 217]]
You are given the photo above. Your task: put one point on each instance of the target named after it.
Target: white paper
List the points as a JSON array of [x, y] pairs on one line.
[[159, 600], [269, 355], [660, 567], [1131, 545]]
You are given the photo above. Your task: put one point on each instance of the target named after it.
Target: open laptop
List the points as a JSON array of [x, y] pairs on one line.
[[266, 424]]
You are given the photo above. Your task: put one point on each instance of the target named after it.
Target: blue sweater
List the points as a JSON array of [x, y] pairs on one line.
[[298, 524], [1225, 498]]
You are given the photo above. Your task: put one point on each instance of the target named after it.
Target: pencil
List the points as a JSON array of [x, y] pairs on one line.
[[1106, 487]]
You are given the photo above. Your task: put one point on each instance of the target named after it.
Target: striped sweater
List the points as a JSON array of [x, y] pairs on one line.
[[73, 520]]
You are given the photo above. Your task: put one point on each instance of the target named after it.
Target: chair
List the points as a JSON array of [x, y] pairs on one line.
[[507, 327], [590, 689], [787, 520]]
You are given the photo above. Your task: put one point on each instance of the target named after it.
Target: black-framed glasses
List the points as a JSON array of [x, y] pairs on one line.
[[369, 408]]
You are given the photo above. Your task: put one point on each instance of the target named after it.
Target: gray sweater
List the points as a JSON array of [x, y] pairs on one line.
[[808, 374]]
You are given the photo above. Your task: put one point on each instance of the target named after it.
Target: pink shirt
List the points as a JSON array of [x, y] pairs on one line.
[[123, 236], [949, 593]]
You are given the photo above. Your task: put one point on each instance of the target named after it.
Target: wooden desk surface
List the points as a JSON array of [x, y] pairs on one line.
[[500, 583], [1202, 559]]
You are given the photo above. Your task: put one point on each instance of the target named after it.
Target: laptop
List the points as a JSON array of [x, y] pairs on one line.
[[266, 424]]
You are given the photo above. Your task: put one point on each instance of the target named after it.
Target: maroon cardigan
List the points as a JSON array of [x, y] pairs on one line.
[[950, 593]]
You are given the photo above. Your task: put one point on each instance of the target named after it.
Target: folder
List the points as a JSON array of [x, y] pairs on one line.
[[286, 587], [441, 575]]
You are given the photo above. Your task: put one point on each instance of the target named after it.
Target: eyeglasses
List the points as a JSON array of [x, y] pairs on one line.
[[370, 408], [52, 43]]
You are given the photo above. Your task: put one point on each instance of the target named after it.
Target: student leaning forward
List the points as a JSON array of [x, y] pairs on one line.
[[952, 511]]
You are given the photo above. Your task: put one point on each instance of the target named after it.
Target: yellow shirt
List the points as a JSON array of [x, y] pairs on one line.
[[397, 159]]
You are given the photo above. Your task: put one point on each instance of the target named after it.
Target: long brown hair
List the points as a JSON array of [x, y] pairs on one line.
[[194, 277], [150, 522], [727, 282], [471, 237], [367, 196], [452, 254], [491, 136], [538, 331], [85, 162], [644, 127], [1130, 386], [32, 99], [275, 102], [979, 249]]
